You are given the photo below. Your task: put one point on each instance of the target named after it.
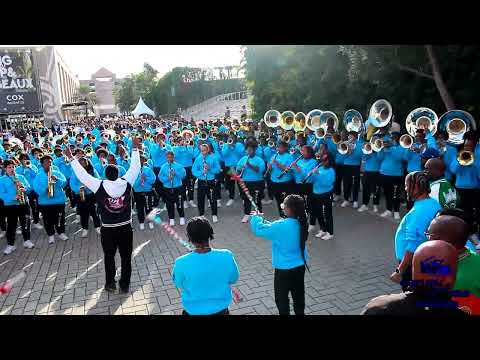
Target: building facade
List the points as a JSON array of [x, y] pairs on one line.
[[55, 85], [102, 84]]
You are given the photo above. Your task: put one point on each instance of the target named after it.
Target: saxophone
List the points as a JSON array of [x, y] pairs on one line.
[[20, 191], [51, 184]]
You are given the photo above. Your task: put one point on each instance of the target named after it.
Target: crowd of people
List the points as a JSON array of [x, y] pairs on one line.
[[111, 168]]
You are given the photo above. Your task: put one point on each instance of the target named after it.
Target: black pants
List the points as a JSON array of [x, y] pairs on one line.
[[255, 188], [469, 202], [71, 195], [158, 186], [391, 188], [269, 187], [53, 218], [3, 217], [338, 179], [188, 185], [221, 312], [286, 281], [229, 183], [120, 238], [206, 188], [351, 182], [306, 191], [15, 212], [322, 210], [174, 199], [371, 185], [219, 178], [86, 209], [33, 202], [144, 204], [280, 192]]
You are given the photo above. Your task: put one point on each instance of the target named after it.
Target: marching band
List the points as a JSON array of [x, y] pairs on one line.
[[314, 155]]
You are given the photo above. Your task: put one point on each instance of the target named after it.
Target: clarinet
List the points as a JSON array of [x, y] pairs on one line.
[[318, 166], [271, 165], [287, 169]]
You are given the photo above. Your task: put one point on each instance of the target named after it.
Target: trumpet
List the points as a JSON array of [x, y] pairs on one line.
[[204, 136], [378, 144], [230, 141], [88, 151], [346, 147], [82, 193], [117, 138], [271, 143], [50, 184], [20, 191], [406, 141], [466, 157], [286, 138]]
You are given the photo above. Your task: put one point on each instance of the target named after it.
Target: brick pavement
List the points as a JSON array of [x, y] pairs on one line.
[[68, 277]]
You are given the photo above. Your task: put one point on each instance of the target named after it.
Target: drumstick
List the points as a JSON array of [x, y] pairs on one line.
[[244, 188], [7, 286]]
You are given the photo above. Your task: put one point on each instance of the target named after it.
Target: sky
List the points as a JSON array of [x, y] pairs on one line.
[[123, 60]]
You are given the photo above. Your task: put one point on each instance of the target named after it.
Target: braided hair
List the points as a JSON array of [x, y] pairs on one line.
[[417, 180], [297, 205]]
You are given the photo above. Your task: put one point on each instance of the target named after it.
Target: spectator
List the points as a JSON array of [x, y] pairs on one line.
[[440, 188], [430, 294], [411, 231], [455, 231]]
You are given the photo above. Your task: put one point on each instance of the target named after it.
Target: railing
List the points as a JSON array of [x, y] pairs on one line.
[[216, 101]]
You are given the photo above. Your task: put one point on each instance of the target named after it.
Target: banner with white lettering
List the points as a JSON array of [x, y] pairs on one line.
[[19, 90]]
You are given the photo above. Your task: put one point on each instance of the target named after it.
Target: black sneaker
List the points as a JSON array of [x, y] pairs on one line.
[[111, 288], [124, 290]]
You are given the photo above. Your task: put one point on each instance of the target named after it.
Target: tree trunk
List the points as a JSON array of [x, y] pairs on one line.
[[437, 77]]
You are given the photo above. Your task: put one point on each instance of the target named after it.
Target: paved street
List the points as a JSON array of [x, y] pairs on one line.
[[68, 277]]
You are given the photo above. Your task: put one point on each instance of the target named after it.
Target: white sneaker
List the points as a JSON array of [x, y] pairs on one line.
[[327, 236], [51, 239], [77, 219], [28, 244], [37, 226], [63, 237], [192, 204], [150, 225], [215, 218], [2, 234], [345, 204], [182, 221], [375, 208], [84, 233], [229, 202], [363, 208], [19, 231], [219, 204], [267, 202], [245, 218], [172, 222], [98, 230], [142, 227], [320, 234], [9, 249], [355, 204], [386, 213], [311, 228], [396, 215]]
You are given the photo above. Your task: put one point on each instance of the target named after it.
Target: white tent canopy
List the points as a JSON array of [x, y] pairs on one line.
[[142, 109]]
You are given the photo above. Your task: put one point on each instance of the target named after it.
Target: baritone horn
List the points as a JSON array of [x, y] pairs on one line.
[[367, 148], [465, 157]]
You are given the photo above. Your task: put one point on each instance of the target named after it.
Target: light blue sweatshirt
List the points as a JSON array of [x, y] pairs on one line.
[[467, 177], [149, 180], [249, 174], [176, 181], [205, 279], [40, 186], [323, 180], [8, 189], [355, 158], [75, 183], [29, 172], [411, 231], [232, 153], [391, 161], [213, 167], [285, 237], [305, 167], [284, 159]]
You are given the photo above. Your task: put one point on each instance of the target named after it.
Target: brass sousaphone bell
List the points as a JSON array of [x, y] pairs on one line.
[[287, 120], [271, 119], [456, 123]]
